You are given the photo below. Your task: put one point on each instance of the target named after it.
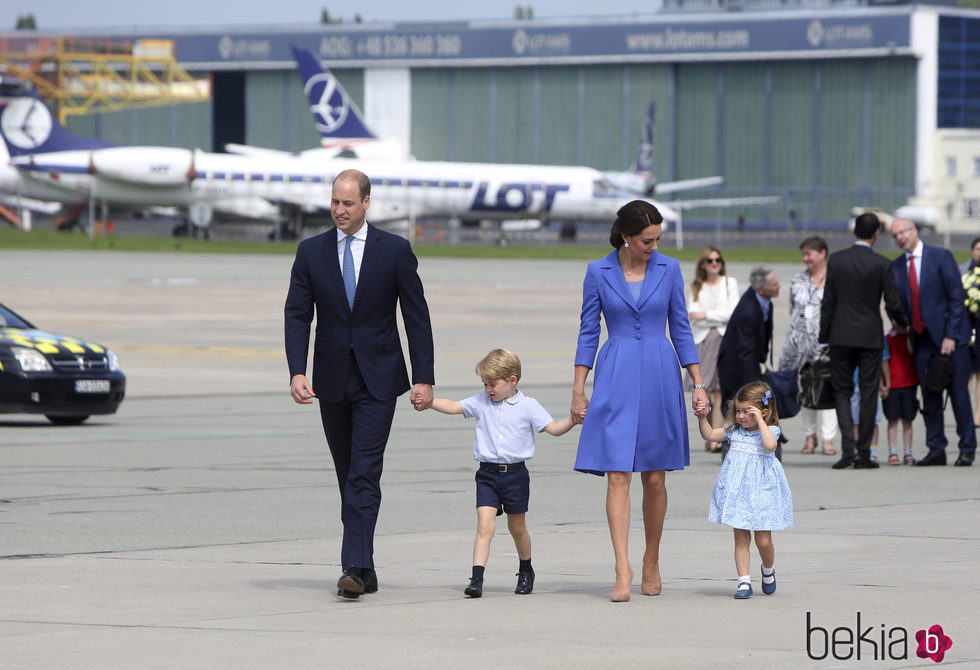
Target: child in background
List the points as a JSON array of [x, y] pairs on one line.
[[506, 421], [901, 402], [751, 492]]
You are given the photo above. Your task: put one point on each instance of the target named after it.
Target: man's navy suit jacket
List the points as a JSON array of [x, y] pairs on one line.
[[940, 295], [745, 344], [369, 332]]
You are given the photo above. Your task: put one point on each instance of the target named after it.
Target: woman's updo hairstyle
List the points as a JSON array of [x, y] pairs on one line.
[[632, 219]]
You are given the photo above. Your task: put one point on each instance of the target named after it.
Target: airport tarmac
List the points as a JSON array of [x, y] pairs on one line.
[[199, 527]]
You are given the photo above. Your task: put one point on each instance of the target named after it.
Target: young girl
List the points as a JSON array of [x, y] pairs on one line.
[[751, 492]]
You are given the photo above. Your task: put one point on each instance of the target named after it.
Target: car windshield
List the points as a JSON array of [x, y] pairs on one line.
[[10, 320]]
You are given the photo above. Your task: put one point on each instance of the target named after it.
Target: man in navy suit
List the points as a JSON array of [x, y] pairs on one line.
[[353, 276], [932, 290], [850, 324], [747, 339]]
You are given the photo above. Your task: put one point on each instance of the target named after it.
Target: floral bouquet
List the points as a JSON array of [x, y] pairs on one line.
[[971, 287]]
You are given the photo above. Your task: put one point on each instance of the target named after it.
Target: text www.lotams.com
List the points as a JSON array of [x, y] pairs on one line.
[[687, 39]]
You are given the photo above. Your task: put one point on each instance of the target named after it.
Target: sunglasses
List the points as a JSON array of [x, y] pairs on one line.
[[713, 260]]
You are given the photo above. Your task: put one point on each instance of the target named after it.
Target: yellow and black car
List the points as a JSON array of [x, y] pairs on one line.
[[64, 378]]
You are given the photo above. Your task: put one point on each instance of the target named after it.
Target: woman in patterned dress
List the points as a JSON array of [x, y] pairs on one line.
[[805, 296]]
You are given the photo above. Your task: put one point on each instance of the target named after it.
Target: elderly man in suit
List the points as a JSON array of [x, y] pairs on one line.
[[850, 322], [932, 291], [353, 276], [748, 337]]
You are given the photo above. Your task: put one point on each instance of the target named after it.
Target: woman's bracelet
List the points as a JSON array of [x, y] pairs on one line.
[[699, 386]]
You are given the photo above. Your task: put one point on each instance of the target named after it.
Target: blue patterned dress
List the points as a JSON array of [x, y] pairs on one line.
[[751, 491]]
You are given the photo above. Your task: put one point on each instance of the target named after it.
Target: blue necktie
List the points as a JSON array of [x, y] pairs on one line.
[[350, 282]]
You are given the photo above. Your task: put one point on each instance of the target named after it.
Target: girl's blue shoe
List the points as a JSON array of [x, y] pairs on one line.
[[743, 591], [769, 589]]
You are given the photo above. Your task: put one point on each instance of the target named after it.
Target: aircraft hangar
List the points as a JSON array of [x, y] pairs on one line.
[[826, 108]]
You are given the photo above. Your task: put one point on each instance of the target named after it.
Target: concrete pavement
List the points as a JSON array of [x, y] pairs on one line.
[[199, 527]]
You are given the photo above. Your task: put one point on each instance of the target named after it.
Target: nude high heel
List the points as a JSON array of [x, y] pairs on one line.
[[651, 584], [621, 593]]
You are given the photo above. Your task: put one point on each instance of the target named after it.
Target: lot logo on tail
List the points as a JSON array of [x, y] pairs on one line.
[[331, 106], [26, 123]]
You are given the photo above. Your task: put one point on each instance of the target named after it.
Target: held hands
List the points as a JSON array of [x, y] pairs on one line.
[[699, 403], [421, 397], [580, 405]]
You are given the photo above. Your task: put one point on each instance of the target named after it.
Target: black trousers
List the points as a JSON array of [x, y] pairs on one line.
[[357, 431], [843, 361]]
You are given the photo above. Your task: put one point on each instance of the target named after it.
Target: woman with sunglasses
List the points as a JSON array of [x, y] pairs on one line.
[[805, 297], [711, 299]]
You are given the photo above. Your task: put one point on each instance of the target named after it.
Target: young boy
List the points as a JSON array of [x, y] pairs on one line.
[[506, 421], [901, 402]]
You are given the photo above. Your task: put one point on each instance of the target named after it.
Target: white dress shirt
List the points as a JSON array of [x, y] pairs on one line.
[[356, 249]]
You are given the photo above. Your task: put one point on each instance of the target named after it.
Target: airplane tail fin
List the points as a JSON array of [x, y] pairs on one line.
[[335, 115], [644, 157], [29, 127]]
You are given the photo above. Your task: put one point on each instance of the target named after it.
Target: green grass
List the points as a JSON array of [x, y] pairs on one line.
[[42, 239]]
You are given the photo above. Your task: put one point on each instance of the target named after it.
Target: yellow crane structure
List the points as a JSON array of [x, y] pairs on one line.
[[83, 75]]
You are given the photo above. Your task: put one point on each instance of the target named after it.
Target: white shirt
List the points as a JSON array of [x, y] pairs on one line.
[[505, 429], [356, 249]]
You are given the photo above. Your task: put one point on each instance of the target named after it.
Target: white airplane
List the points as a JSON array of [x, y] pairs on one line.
[[48, 156]]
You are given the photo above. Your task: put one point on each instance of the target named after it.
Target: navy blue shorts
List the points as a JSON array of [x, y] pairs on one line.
[[901, 404], [507, 491]]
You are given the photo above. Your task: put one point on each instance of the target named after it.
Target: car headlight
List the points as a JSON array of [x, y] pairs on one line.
[[31, 360], [112, 359]]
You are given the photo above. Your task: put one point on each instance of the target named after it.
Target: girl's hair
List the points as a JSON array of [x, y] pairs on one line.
[[757, 394], [499, 364], [632, 219], [700, 274]]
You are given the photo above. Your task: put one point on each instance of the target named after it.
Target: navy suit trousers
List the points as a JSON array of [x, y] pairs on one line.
[[959, 397], [357, 429]]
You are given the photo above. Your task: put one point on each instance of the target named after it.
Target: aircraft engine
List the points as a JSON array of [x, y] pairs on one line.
[[145, 166]]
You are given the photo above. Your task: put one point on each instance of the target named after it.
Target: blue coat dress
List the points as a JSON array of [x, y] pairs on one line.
[[637, 417]]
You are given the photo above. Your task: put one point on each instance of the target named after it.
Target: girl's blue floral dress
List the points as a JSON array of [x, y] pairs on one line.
[[751, 491]]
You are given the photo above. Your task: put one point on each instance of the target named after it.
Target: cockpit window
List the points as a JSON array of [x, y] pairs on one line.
[[602, 187]]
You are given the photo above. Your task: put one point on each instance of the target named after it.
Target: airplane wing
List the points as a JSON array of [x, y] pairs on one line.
[[39, 206]]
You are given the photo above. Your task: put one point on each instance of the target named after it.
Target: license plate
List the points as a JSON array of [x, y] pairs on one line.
[[92, 386]]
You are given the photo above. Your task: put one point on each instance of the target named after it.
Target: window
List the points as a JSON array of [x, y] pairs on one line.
[[971, 208], [976, 166], [950, 166]]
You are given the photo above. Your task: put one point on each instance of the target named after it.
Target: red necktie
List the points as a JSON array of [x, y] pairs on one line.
[[917, 324]]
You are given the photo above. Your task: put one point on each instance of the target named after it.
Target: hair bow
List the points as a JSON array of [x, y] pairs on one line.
[[766, 398]]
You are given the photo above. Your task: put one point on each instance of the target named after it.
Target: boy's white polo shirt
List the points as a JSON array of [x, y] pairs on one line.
[[505, 430]]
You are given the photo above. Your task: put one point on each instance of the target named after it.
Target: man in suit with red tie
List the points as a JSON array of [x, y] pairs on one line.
[[932, 292], [850, 323], [353, 276]]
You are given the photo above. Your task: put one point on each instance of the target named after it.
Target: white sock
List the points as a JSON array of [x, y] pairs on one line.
[[768, 574], [746, 579]]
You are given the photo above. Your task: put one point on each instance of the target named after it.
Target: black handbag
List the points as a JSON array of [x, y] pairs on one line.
[[816, 389], [940, 372]]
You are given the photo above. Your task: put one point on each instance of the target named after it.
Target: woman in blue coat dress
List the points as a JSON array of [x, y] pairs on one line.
[[636, 421]]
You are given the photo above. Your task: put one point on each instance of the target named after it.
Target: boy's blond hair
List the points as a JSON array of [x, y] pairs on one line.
[[499, 364]]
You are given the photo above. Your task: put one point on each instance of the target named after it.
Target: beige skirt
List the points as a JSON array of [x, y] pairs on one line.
[[708, 355]]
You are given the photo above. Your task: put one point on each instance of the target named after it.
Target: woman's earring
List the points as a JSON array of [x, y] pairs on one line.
[[627, 244]]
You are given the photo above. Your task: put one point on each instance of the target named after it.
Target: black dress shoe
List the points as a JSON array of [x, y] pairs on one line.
[[844, 462], [933, 458], [865, 464], [350, 584], [370, 580], [965, 459]]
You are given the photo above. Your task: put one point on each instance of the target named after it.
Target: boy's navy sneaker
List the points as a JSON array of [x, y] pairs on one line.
[[475, 589]]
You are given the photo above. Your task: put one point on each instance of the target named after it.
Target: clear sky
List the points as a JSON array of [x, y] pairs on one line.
[[88, 15]]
